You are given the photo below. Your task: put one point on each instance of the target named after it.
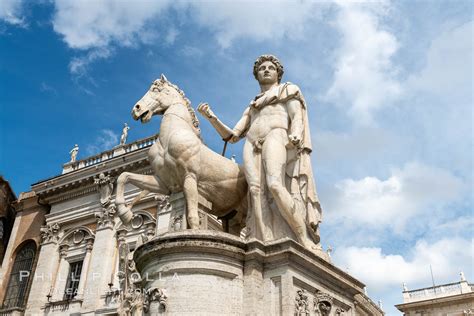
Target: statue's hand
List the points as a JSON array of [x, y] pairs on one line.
[[205, 110], [295, 140]]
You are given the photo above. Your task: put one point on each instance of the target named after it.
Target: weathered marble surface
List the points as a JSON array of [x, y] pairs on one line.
[[207, 272], [182, 163], [276, 158]]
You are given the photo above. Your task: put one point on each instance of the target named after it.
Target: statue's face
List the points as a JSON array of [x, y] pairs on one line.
[[267, 73]]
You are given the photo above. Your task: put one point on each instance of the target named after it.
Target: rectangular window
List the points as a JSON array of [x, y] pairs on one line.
[[72, 284]]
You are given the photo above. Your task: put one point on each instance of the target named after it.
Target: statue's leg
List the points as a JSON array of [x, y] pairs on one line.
[[274, 162], [144, 182], [252, 166], [191, 195]]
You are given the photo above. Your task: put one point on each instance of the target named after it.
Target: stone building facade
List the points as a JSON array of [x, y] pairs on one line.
[[69, 254], [453, 299], [7, 215], [62, 254]]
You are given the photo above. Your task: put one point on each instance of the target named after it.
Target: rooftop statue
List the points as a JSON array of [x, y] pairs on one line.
[[123, 137], [283, 199], [73, 153], [182, 163]]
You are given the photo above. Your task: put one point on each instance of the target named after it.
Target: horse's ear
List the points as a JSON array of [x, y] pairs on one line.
[[163, 78]]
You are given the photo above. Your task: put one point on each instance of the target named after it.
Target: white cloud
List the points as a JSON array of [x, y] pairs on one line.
[[256, 20], [381, 271], [106, 140], [44, 87], [88, 24], [79, 65], [11, 12], [449, 68], [99, 26], [382, 203], [365, 77]]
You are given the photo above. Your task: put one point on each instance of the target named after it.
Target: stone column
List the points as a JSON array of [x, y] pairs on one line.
[[62, 275], [46, 268], [85, 269], [100, 266]]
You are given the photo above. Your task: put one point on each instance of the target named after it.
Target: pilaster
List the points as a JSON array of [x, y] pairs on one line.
[[46, 269], [100, 266]]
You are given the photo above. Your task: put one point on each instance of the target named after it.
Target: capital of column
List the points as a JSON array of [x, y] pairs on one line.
[[105, 217], [50, 233]]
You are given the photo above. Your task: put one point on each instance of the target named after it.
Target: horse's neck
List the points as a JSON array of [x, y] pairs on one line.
[[179, 109], [178, 114]]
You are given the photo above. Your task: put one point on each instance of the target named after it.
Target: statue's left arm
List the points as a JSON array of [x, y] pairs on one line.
[[295, 111]]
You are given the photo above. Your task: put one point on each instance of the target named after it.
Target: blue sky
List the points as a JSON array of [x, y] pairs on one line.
[[389, 87]]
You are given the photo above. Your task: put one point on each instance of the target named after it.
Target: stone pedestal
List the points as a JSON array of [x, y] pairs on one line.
[[214, 273], [173, 216]]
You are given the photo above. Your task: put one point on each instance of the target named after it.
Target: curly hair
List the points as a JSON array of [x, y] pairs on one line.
[[263, 58]]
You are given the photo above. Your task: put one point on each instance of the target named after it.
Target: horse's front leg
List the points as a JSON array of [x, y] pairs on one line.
[[144, 182], [191, 195]]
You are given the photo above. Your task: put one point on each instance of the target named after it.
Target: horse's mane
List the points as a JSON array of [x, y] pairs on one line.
[[191, 111]]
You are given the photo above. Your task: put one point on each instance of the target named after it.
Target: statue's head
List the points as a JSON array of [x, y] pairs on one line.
[[263, 58], [157, 99]]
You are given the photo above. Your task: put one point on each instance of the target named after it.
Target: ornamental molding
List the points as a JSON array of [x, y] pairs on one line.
[[85, 186], [105, 217], [78, 237], [135, 161], [323, 303], [50, 233], [142, 223]]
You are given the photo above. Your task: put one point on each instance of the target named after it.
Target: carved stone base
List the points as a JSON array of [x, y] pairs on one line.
[[214, 273], [172, 215]]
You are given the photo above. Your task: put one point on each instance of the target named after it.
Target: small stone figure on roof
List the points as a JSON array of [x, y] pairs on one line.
[[74, 152], [123, 138]]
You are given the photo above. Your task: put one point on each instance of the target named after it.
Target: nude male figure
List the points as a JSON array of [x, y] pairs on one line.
[[272, 124]]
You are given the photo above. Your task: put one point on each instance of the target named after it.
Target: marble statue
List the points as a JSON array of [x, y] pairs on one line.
[[123, 138], [182, 163], [74, 152], [106, 187], [276, 158]]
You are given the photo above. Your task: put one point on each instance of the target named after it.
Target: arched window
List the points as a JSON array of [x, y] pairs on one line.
[[20, 276]]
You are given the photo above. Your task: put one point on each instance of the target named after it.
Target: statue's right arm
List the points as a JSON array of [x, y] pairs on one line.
[[232, 135]]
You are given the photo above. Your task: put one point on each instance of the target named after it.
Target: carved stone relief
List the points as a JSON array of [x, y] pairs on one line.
[[132, 298], [105, 186], [50, 232], [164, 204], [301, 303], [322, 303]]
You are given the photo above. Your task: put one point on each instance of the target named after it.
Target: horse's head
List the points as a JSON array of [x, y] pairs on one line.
[[157, 99]]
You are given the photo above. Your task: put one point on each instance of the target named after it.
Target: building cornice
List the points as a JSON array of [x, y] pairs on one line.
[[81, 182], [436, 301]]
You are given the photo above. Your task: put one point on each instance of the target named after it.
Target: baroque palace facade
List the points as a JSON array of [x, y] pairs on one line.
[[61, 256], [65, 252]]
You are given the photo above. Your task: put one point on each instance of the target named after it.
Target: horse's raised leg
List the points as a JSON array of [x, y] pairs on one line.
[[191, 195], [144, 182]]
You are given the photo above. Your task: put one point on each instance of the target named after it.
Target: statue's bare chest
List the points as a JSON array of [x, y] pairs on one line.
[[267, 118]]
